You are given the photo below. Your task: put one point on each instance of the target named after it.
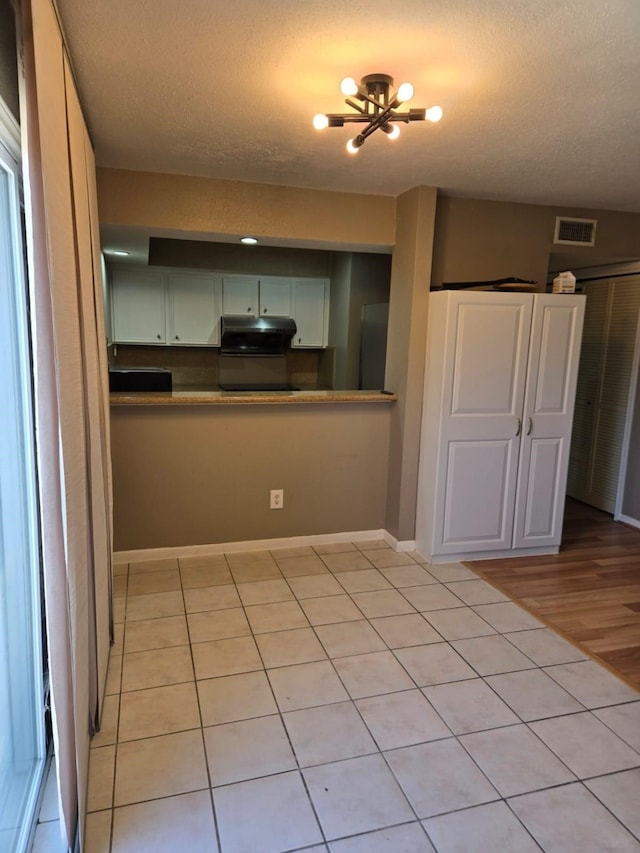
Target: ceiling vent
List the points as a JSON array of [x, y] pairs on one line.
[[575, 232]]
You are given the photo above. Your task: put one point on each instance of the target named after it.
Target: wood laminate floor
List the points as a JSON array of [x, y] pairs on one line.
[[590, 591]]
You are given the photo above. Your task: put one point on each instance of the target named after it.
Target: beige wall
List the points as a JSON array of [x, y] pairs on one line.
[[187, 475], [406, 348], [484, 240], [284, 214]]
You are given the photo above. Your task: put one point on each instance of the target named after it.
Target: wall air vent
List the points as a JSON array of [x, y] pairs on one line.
[[575, 232]]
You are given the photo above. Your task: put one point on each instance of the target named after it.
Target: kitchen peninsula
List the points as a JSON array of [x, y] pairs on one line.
[[226, 398], [193, 469]]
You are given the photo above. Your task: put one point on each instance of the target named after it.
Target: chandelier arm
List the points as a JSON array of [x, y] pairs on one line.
[[365, 96], [383, 117], [348, 117], [355, 106]]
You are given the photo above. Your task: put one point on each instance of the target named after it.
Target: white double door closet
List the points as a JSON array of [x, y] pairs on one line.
[[500, 383]]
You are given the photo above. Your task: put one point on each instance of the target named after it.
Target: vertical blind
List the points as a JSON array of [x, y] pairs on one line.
[[70, 387]]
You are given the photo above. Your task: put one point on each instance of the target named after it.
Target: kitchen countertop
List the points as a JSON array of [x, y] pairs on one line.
[[225, 398]]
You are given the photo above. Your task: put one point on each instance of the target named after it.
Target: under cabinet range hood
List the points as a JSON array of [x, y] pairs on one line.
[[256, 335]]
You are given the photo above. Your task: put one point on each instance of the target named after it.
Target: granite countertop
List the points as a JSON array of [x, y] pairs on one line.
[[225, 398]]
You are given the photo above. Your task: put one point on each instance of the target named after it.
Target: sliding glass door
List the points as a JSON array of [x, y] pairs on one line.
[[22, 737]]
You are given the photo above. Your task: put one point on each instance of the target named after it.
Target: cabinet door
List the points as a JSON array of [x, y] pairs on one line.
[[483, 383], [138, 300], [275, 297], [556, 331], [311, 312], [240, 295], [194, 309]]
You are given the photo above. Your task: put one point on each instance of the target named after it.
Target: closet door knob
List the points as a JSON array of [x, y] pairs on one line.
[[519, 426], [529, 425]]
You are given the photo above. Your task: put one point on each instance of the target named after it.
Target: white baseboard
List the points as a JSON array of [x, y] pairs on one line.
[[626, 519], [399, 545], [439, 559], [143, 554]]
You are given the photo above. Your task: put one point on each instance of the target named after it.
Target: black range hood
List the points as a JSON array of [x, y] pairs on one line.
[[256, 335]]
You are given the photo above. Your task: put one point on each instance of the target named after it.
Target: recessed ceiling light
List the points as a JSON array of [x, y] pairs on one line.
[[118, 252], [249, 241]]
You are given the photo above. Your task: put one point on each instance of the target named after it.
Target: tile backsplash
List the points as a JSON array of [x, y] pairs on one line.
[[199, 367]]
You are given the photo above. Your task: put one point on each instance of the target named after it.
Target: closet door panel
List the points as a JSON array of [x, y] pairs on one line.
[[556, 331], [489, 359], [544, 498], [478, 500], [483, 384]]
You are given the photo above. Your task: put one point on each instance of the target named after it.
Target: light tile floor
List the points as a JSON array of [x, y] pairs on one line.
[[353, 700]]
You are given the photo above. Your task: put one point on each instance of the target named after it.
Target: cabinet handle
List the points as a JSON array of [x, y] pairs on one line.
[[265, 311], [249, 310], [529, 425], [159, 337], [177, 337], [519, 426]]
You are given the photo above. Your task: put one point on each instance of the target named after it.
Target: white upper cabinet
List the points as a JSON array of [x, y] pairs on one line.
[[256, 296], [138, 298], [241, 295], [275, 297], [310, 298], [181, 307], [500, 384], [194, 309]]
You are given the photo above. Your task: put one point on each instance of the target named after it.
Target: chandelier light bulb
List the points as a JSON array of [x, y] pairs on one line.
[[352, 147], [320, 121], [405, 93], [393, 132], [433, 114], [349, 87]]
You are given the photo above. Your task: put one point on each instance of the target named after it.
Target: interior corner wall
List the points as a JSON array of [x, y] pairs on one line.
[[406, 349]]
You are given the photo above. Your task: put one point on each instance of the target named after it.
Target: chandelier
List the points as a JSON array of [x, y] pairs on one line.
[[375, 107]]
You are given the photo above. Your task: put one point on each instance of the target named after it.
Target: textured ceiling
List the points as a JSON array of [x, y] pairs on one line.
[[540, 97]]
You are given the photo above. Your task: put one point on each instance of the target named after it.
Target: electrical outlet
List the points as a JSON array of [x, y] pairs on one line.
[[276, 499]]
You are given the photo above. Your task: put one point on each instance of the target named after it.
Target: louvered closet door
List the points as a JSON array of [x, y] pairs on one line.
[[483, 394], [591, 358], [613, 309], [548, 412], [613, 394]]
